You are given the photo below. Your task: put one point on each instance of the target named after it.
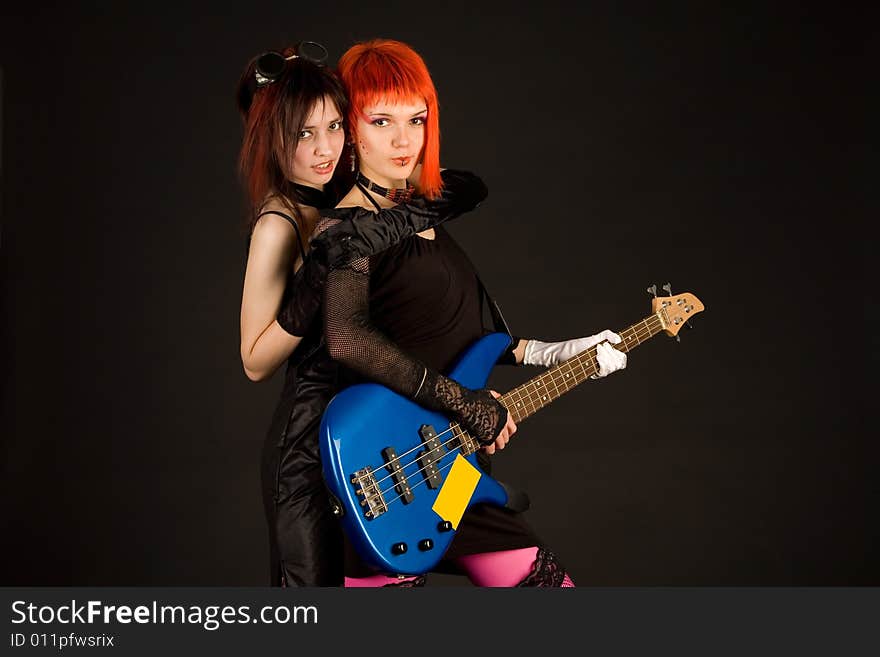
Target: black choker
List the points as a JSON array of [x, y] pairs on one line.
[[394, 194], [311, 196]]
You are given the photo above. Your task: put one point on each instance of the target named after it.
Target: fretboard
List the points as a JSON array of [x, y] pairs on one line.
[[536, 393]]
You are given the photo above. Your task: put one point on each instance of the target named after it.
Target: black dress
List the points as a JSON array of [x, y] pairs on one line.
[[305, 540], [426, 298]]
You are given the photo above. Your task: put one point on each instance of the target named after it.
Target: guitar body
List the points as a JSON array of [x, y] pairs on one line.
[[397, 523]]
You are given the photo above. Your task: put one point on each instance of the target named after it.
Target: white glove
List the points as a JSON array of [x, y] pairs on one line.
[[610, 359], [553, 353]]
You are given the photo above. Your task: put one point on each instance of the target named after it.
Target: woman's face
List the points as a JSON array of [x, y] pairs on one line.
[[390, 140], [319, 146]]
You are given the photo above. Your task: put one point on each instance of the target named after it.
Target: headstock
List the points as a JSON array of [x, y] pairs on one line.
[[674, 310]]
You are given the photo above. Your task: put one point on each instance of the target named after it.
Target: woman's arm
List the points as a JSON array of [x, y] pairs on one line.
[[519, 351], [272, 327], [535, 352], [360, 233], [264, 344], [355, 342]]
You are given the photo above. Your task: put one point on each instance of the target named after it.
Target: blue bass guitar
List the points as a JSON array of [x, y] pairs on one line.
[[402, 476]]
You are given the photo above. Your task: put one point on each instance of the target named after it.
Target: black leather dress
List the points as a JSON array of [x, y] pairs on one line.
[[306, 543]]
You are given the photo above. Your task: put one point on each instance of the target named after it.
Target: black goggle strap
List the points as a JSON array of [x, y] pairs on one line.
[[270, 65]]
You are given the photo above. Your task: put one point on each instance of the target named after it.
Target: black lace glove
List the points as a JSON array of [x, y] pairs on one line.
[[477, 411], [362, 233]]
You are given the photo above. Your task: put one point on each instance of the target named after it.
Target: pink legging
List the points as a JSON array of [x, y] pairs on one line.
[[506, 568]]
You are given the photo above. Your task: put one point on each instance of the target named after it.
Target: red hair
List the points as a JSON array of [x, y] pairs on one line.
[[390, 71]]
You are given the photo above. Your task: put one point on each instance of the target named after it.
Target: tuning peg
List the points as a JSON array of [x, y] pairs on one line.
[[688, 325], [652, 290], [668, 289]]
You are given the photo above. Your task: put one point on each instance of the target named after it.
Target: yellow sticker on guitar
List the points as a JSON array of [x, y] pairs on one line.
[[456, 491]]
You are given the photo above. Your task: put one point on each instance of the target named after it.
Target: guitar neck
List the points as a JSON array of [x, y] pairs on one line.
[[536, 393]]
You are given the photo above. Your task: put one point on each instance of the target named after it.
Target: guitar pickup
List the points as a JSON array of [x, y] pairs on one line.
[[430, 456], [401, 485], [366, 488]]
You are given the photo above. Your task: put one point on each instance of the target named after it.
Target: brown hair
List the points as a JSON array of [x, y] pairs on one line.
[[273, 117]]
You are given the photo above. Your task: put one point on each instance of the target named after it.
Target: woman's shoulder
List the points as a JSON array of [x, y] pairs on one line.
[[351, 205], [275, 206], [296, 219], [354, 199]]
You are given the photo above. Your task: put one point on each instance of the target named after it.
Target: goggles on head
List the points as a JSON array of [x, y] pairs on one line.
[[270, 65]]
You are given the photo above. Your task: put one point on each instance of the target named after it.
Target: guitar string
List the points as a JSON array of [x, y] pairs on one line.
[[423, 468], [451, 428], [532, 396], [423, 481], [452, 425], [388, 503]]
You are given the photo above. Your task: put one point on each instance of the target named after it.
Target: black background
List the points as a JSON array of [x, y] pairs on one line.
[[719, 149]]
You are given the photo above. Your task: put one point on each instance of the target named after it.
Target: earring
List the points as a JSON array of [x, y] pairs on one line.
[[353, 158]]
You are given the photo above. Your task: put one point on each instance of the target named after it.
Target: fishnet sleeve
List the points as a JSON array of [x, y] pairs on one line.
[[355, 342]]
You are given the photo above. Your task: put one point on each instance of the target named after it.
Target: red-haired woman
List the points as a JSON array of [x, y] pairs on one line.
[[403, 316], [293, 109]]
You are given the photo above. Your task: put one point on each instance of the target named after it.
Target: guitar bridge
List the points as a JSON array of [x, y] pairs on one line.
[[431, 454], [401, 485], [367, 489]]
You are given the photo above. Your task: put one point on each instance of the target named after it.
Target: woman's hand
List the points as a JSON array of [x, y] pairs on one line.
[[505, 435]]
